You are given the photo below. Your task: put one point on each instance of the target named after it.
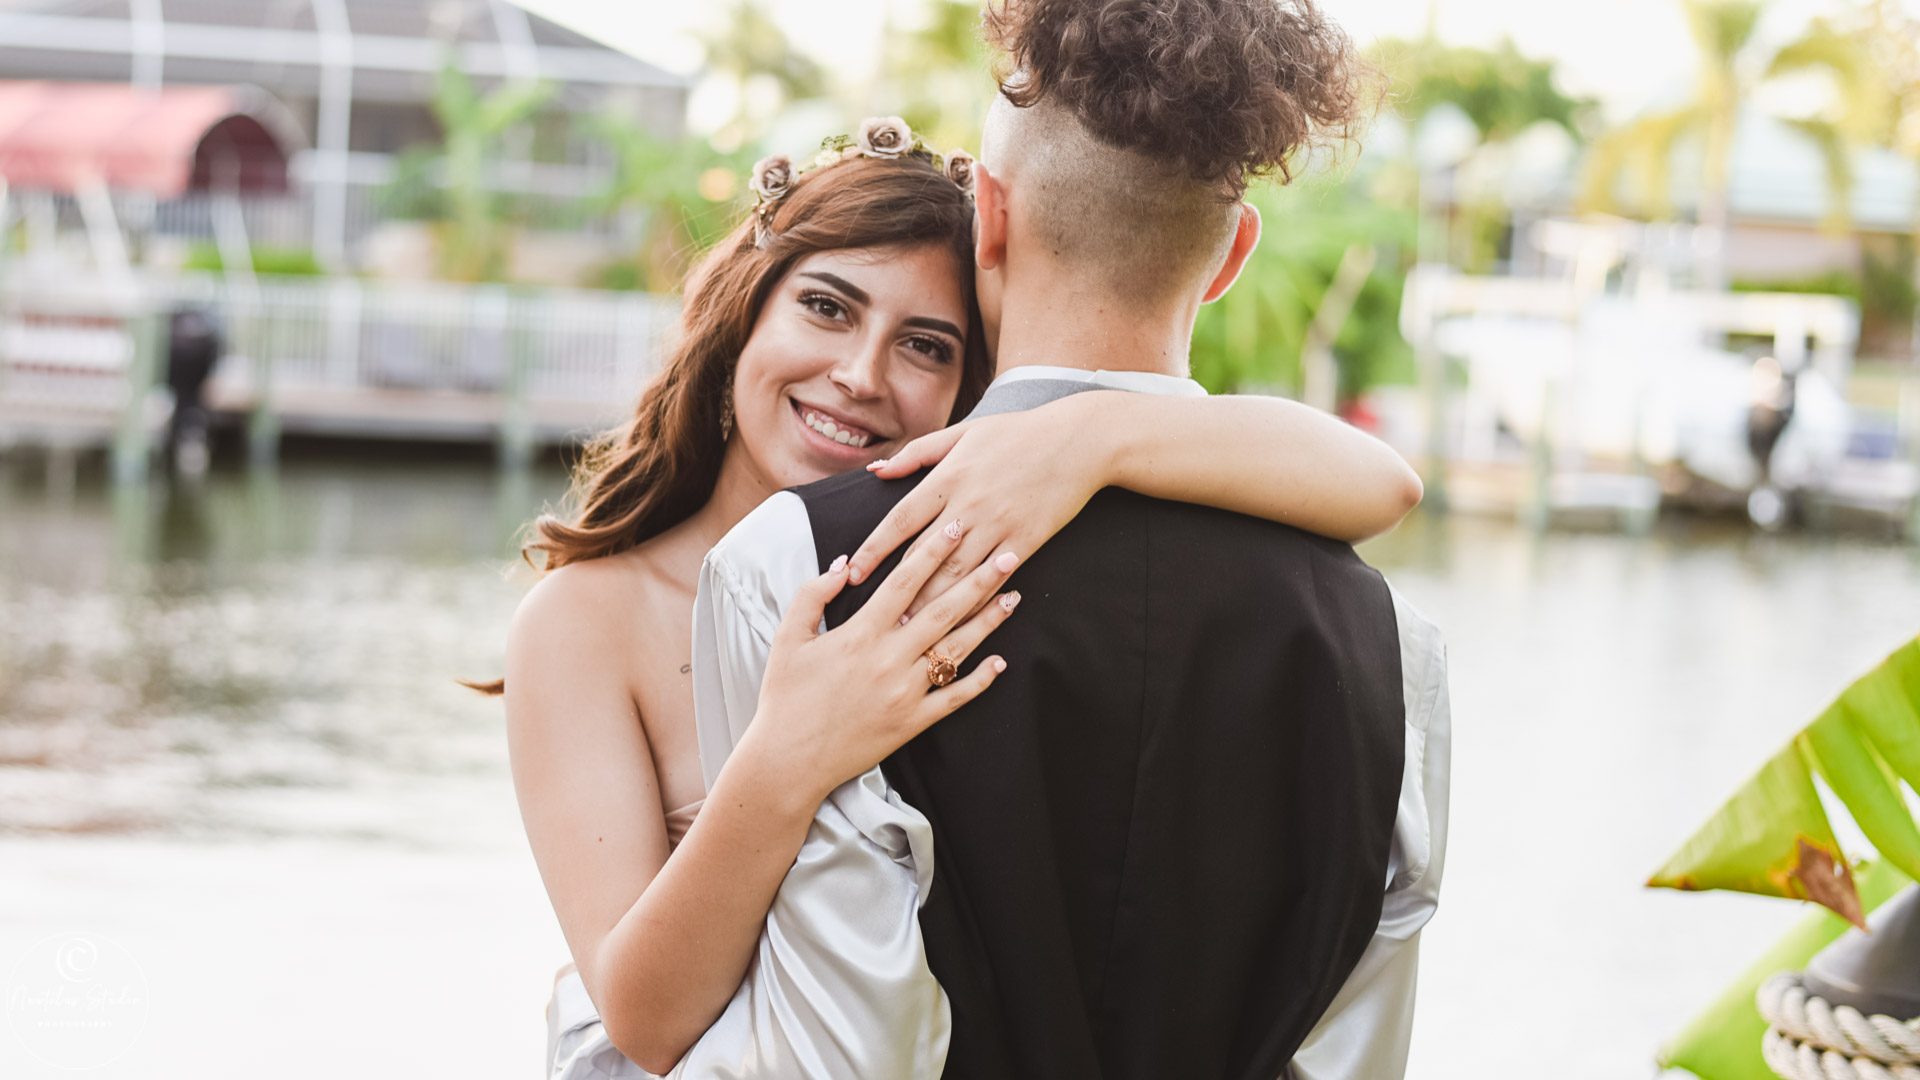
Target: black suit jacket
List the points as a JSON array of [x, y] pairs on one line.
[[1161, 837]]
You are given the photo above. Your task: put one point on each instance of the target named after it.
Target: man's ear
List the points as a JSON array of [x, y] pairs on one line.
[[1246, 236], [990, 208]]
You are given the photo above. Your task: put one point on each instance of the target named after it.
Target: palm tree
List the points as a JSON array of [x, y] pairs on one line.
[[1723, 33], [1862, 112]]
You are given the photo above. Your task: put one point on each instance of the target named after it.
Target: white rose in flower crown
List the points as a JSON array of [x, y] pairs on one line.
[[960, 170], [772, 177], [884, 137]]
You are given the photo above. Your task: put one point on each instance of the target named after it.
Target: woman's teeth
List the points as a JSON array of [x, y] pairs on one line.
[[843, 436]]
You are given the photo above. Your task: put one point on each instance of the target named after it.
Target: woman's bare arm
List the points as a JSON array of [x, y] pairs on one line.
[[589, 797], [662, 940], [1264, 456], [1019, 478]]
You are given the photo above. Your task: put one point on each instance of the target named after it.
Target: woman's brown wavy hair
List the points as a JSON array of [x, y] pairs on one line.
[[650, 474]]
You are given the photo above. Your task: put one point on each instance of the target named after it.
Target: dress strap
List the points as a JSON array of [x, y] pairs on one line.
[[680, 820]]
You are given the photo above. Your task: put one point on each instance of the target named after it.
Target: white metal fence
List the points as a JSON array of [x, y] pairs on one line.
[[340, 355]]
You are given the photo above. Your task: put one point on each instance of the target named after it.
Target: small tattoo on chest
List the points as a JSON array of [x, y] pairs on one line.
[[686, 669]]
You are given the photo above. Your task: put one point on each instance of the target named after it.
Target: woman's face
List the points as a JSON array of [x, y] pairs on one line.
[[854, 354]]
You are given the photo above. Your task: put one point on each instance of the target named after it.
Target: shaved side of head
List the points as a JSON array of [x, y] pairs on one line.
[[1132, 127], [1139, 229]]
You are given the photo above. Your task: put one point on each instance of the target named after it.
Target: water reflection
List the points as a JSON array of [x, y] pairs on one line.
[[257, 652], [273, 651]]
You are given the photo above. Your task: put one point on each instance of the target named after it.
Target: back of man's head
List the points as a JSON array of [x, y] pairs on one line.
[[1130, 128]]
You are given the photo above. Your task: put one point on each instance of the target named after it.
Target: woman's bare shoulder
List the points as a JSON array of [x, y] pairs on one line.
[[578, 591], [585, 604], [605, 604], [583, 645]]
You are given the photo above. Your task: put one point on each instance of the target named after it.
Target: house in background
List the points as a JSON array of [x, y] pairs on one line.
[[1784, 231], [357, 78], [144, 142]]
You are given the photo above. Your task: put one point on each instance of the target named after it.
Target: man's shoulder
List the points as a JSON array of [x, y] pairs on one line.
[[1223, 539], [855, 493], [842, 510], [844, 485]]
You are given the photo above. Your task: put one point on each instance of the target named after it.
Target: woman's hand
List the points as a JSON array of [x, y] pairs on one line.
[[1015, 479], [833, 705]]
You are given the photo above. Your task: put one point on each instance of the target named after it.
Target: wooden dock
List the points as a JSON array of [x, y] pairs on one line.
[[82, 364]]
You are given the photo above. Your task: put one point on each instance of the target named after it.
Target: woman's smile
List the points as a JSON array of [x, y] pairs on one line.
[[833, 428]]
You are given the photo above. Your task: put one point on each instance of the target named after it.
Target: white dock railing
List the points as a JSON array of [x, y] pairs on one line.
[[422, 360]]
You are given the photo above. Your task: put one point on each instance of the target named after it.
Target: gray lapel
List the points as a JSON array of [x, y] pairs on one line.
[[1023, 394]]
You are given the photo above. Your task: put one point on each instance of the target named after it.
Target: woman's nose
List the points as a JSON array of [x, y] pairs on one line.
[[861, 374]]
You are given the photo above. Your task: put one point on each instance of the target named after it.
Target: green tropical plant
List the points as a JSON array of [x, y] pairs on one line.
[[1254, 335], [1773, 837], [937, 73], [476, 238], [1500, 90], [684, 193], [286, 262]]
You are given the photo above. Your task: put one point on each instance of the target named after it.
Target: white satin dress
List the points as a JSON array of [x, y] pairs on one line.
[[839, 988]]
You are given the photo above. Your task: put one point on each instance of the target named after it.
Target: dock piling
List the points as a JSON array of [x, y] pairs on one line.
[[133, 441]]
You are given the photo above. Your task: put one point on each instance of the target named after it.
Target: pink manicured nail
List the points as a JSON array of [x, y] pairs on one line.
[[999, 665], [839, 564], [905, 619], [1006, 562], [953, 530], [1010, 601], [855, 576], [875, 465]]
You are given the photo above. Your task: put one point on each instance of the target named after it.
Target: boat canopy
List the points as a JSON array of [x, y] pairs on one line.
[[61, 137]]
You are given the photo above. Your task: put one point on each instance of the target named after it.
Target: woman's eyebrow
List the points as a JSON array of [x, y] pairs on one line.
[[858, 294], [942, 325]]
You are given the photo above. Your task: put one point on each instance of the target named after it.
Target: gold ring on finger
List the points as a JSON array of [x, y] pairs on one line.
[[940, 670]]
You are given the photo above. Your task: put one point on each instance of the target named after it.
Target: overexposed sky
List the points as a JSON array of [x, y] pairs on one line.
[[1629, 53]]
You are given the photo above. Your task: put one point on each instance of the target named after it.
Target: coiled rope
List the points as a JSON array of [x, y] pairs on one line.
[[1809, 1038]]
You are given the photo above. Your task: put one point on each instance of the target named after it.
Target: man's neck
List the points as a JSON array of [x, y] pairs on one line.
[[1062, 326]]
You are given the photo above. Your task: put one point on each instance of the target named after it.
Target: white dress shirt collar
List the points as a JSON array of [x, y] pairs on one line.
[[1140, 382]]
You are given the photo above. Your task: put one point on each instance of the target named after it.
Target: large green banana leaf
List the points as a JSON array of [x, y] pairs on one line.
[[1723, 1042], [1773, 837]]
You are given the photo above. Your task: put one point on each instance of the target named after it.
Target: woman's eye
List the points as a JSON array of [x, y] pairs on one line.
[[823, 305], [935, 348]]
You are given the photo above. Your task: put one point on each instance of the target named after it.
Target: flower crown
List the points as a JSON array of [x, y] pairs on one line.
[[885, 137]]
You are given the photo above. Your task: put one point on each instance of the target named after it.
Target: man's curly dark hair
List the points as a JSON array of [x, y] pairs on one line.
[[1230, 90]]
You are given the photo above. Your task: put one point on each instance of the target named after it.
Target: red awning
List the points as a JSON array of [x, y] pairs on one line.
[[59, 136]]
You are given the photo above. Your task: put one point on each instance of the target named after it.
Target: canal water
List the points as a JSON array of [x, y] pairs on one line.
[[233, 754]]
